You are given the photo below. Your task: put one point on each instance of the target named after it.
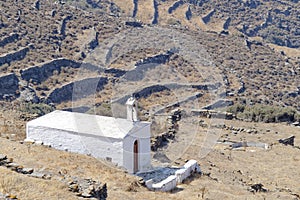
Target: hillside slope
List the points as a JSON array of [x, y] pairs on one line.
[[227, 173], [90, 56]]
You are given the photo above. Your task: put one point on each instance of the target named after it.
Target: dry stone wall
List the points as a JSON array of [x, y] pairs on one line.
[[163, 138], [14, 56], [9, 84], [44, 71], [64, 24], [77, 89], [155, 15], [9, 39]]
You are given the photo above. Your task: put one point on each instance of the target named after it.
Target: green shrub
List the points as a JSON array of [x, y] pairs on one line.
[[236, 108], [264, 113], [37, 108]]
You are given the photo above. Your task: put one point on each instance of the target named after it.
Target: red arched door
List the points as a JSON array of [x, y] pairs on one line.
[[135, 157]]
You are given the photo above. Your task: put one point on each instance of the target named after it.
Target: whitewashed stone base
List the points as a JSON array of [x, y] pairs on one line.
[[172, 181]]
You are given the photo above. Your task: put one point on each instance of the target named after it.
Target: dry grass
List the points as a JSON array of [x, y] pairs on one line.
[[125, 5], [290, 52], [59, 164], [11, 124], [145, 11], [31, 188], [268, 167], [221, 163]]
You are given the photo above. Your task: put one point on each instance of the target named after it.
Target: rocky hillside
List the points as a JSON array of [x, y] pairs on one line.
[[52, 51], [275, 21], [91, 55]]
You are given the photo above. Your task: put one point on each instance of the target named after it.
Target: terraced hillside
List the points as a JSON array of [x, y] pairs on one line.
[[275, 21], [90, 56], [51, 52]]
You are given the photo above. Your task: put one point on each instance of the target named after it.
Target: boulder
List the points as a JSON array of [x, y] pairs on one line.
[[288, 141], [38, 175], [29, 95], [27, 170], [14, 166], [296, 124], [86, 194], [53, 13], [10, 197], [3, 157], [39, 142], [206, 18], [74, 187], [257, 188], [188, 14], [88, 188]]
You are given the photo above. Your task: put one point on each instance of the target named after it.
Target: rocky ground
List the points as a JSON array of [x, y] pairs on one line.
[[92, 55], [227, 173], [43, 61]]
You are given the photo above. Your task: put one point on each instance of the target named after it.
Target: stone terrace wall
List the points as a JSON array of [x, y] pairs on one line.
[[9, 39], [77, 89], [44, 71], [14, 56], [9, 84]]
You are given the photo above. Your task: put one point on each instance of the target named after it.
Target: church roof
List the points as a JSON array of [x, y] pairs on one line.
[[86, 124]]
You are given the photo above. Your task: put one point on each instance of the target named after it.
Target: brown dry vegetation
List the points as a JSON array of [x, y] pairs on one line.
[[270, 73], [232, 172]]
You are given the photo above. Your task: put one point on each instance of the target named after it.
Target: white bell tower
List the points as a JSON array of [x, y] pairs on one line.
[[132, 109]]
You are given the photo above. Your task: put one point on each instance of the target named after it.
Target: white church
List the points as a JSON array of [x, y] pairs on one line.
[[125, 142]]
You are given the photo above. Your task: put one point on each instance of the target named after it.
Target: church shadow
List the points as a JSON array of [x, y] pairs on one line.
[[176, 190]]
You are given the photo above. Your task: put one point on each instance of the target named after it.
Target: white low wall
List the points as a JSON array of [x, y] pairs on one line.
[[166, 185], [189, 167], [180, 175]]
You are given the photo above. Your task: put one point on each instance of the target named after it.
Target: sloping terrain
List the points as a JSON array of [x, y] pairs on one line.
[[226, 173], [45, 57], [275, 21], [90, 56]]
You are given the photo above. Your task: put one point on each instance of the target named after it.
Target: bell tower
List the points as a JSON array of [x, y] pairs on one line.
[[132, 109]]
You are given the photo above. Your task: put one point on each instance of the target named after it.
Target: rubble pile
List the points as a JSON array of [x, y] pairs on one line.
[[88, 188]]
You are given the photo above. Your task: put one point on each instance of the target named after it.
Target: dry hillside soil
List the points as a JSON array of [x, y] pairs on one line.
[[90, 56]]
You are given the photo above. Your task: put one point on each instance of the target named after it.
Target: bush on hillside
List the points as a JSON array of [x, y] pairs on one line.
[[264, 113], [37, 108]]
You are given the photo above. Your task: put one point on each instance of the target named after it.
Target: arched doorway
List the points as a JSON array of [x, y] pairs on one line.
[[135, 156]]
